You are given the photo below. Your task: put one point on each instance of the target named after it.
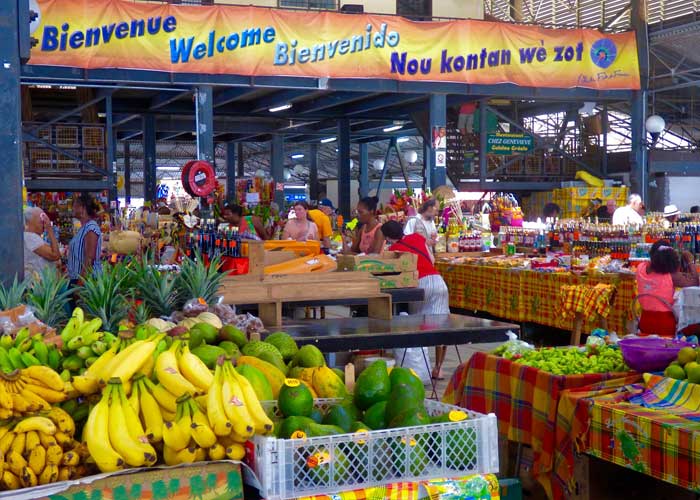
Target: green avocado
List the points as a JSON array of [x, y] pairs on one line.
[[372, 386], [375, 416], [231, 349], [209, 333], [208, 354], [235, 335]]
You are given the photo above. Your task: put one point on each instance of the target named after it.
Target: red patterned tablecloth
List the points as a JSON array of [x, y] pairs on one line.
[[530, 296], [600, 421], [524, 399]]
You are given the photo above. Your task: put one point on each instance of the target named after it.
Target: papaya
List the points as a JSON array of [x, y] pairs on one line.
[[258, 380], [400, 375], [274, 376], [316, 415], [410, 418], [342, 415], [310, 388], [372, 386], [403, 397], [375, 416], [301, 373], [327, 383]]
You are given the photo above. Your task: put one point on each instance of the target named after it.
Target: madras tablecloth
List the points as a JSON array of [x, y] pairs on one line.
[[524, 399], [607, 422], [531, 296], [475, 487]]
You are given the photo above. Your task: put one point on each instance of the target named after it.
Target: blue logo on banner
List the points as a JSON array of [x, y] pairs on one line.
[[603, 53]]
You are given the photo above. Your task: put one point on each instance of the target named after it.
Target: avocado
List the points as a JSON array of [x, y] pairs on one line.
[[374, 416], [208, 354], [308, 356], [235, 335], [231, 349], [341, 415], [404, 376], [292, 424], [403, 397], [373, 385], [209, 333], [316, 415]]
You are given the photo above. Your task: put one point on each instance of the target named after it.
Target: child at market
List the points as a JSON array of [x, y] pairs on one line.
[[655, 290], [436, 295]]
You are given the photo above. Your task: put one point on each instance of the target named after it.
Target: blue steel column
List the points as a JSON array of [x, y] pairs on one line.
[[127, 173], [638, 154], [111, 166], [313, 172], [231, 170], [483, 136], [427, 169], [344, 167], [438, 118], [364, 170], [149, 158], [277, 167], [205, 123], [11, 243]]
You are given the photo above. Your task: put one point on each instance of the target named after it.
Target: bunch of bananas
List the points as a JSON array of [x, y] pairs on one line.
[[41, 450], [83, 343], [114, 434], [233, 409], [24, 351], [124, 359], [181, 372], [30, 390]]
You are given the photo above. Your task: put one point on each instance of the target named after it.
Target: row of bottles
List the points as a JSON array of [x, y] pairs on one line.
[[210, 241]]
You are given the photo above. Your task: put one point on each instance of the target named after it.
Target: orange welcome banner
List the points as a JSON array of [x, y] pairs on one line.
[[254, 41]]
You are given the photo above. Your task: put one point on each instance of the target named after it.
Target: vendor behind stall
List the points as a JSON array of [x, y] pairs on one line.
[[250, 226], [437, 298], [630, 213]]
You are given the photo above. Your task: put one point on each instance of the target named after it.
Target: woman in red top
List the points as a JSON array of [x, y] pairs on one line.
[[437, 297]]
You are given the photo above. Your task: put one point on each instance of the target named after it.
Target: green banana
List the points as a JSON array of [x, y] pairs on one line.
[[81, 412], [91, 326], [30, 360], [6, 341], [54, 358], [70, 330], [84, 352], [25, 345], [98, 347], [22, 334], [41, 351], [75, 343], [109, 338], [69, 406], [65, 375], [89, 361], [91, 337], [15, 358], [72, 363], [5, 364]]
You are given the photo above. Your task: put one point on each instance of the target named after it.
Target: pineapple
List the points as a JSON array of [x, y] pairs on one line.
[[141, 313], [196, 280], [157, 289], [48, 294], [11, 296], [104, 296]]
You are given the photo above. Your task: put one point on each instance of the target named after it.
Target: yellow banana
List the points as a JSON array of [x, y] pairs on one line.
[[151, 414], [165, 399], [37, 459], [64, 474], [62, 419], [235, 451], [169, 375], [136, 359], [32, 440], [34, 400], [63, 439], [89, 382], [147, 368], [40, 424], [19, 442], [217, 452], [119, 432], [234, 404], [121, 358], [134, 399], [263, 423], [50, 474], [96, 433], [10, 481], [47, 394], [5, 413], [70, 458], [187, 455], [85, 384], [16, 462], [215, 406], [202, 433], [200, 454], [136, 431], [45, 375], [27, 477], [5, 397], [194, 369], [5, 442], [54, 454], [173, 437], [46, 440], [184, 418]]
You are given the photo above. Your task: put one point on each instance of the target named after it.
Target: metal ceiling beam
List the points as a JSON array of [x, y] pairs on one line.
[[164, 98], [230, 95], [328, 101], [381, 101], [264, 103], [66, 185]]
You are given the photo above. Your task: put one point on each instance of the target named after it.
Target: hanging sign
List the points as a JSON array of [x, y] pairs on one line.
[[509, 144], [254, 41]]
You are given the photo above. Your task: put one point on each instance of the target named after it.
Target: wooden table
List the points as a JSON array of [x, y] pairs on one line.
[[344, 334]]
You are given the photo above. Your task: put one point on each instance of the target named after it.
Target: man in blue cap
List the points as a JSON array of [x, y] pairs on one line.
[[322, 218]]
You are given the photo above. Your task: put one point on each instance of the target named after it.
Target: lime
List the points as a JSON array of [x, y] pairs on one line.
[[295, 399], [675, 371], [686, 355]]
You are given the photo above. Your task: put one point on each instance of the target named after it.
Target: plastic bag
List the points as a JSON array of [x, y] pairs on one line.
[[26, 318], [6, 325], [195, 307], [415, 358], [513, 347], [225, 312], [249, 324]]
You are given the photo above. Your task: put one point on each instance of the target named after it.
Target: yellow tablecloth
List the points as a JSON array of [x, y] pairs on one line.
[[530, 296]]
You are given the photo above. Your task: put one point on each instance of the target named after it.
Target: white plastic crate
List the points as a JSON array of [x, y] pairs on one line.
[[377, 457]]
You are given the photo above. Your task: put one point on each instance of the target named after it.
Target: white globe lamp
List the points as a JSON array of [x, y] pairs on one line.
[[287, 174], [655, 124], [378, 164], [260, 173], [410, 156]]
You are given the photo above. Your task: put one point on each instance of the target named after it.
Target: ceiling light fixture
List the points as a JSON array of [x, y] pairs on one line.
[[297, 156], [401, 140], [393, 128], [328, 139], [281, 107]]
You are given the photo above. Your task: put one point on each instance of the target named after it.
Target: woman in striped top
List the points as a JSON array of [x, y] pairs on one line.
[[85, 248]]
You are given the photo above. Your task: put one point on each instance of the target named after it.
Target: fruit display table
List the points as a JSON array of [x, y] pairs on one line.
[[341, 334], [530, 296], [524, 399], [649, 425]]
